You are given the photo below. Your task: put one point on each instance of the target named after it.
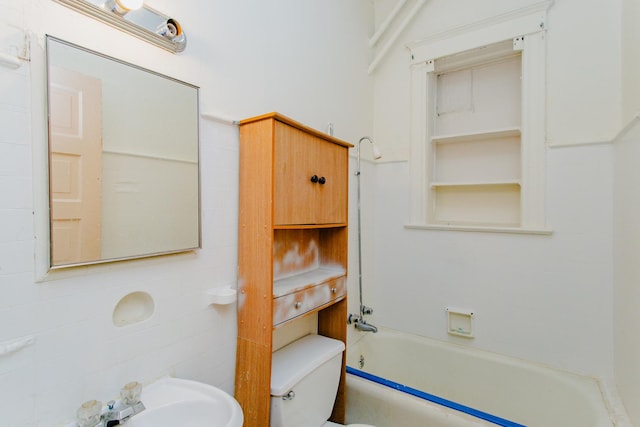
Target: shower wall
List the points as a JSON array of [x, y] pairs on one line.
[[627, 269], [541, 298], [544, 298], [626, 223]]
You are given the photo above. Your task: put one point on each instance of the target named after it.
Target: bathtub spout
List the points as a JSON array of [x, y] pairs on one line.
[[360, 324], [366, 327]]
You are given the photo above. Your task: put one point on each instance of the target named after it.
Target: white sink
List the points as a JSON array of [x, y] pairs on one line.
[[176, 402]]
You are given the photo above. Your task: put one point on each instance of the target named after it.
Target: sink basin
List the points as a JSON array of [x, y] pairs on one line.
[[176, 402]]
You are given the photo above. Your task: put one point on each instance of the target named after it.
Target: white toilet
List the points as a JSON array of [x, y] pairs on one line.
[[304, 382]]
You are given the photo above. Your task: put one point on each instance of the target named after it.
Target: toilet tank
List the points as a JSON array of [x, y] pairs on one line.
[[304, 381]]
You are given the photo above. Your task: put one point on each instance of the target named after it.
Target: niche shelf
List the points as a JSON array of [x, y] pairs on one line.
[[477, 178], [471, 184], [133, 308], [476, 136], [475, 152]]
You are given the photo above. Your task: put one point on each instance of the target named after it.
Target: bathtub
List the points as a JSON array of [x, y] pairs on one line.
[[396, 379]]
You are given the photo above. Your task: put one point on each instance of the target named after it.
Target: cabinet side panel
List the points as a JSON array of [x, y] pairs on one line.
[[255, 272], [255, 235], [332, 322], [253, 383]]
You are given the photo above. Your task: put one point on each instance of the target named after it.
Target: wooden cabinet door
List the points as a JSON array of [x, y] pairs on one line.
[[331, 197], [310, 176]]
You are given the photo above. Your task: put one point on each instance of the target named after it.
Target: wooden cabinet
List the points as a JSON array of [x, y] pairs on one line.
[[310, 178], [292, 247]]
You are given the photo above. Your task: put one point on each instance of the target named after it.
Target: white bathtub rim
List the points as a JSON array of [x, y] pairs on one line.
[[608, 399], [488, 354]]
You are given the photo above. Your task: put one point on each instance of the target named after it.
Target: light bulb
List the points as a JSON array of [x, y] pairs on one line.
[[130, 4], [122, 7]]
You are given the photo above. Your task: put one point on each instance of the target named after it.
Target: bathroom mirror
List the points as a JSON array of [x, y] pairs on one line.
[[123, 159]]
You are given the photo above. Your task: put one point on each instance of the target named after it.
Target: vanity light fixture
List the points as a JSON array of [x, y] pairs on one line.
[[135, 18]]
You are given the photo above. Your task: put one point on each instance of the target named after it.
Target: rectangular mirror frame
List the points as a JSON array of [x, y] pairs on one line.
[[197, 245]]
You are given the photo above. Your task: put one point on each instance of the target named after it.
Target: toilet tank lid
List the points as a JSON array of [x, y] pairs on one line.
[[293, 362]]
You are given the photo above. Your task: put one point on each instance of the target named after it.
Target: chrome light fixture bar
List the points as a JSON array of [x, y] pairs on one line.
[[144, 22]]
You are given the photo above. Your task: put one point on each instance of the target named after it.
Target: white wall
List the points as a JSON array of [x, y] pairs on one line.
[[627, 269], [627, 227], [583, 95], [630, 60], [541, 298], [305, 59]]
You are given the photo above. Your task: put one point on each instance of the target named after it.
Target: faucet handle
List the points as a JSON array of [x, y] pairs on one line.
[[130, 393], [353, 318], [88, 415], [366, 310]]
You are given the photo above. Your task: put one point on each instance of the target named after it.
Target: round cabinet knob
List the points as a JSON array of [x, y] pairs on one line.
[[334, 290], [314, 178], [298, 305], [322, 180]]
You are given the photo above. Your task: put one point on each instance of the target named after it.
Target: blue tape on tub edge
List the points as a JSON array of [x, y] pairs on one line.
[[433, 398]]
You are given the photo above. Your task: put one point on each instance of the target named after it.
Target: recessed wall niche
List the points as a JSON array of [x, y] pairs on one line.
[[133, 308]]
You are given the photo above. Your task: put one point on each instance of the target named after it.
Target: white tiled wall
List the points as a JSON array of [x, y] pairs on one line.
[[16, 231], [77, 352]]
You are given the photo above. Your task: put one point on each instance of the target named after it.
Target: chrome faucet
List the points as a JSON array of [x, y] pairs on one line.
[[360, 324], [92, 414], [119, 412], [365, 327]]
